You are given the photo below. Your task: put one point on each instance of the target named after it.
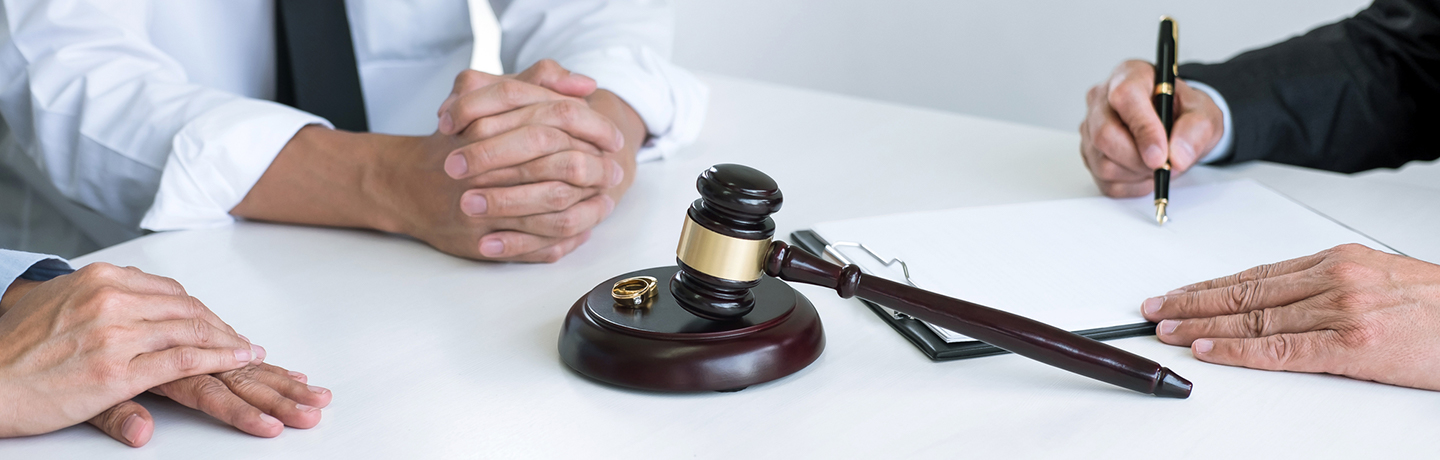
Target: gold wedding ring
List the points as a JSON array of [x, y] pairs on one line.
[[634, 292]]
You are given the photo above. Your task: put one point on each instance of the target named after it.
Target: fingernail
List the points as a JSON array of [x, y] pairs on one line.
[[609, 204], [618, 176], [1175, 292], [1203, 346], [305, 408], [619, 140], [258, 350], [1152, 305], [317, 390], [302, 378], [1168, 326], [446, 123], [244, 356], [131, 428], [268, 420], [474, 204], [455, 166], [492, 248]]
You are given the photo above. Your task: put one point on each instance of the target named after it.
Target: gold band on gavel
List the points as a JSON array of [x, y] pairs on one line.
[[721, 256]]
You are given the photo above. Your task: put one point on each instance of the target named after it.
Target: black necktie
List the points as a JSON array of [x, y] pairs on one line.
[[316, 62]]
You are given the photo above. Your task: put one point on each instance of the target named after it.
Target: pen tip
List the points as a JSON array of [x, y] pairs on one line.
[[1160, 217]]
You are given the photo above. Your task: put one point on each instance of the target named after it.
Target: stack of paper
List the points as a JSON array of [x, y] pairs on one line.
[[1088, 263]]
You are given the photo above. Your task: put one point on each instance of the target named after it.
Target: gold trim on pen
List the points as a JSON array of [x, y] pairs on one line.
[[721, 256], [1164, 88]]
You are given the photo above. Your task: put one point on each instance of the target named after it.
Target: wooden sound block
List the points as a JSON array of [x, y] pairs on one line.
[[662, 347]]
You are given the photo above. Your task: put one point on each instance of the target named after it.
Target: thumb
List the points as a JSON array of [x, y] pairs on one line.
[[1302, 352], [127, 422], [1191, 139], [1199, 124], [550, 75], [466, 81]]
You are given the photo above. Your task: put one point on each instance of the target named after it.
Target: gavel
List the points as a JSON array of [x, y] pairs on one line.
[[726, 247]]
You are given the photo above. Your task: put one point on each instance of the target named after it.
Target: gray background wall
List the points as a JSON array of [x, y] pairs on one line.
[[1028, 61]]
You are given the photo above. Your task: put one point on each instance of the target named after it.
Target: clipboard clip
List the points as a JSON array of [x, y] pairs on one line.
[[832, 250]]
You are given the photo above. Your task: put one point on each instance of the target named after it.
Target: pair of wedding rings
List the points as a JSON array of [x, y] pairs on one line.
[[634, 292]]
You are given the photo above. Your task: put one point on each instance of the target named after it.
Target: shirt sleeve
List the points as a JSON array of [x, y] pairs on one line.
[[624, 45], [116, 126], [15, 265]]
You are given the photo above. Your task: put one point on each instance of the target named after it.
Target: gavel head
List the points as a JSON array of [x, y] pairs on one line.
[[725, 239]]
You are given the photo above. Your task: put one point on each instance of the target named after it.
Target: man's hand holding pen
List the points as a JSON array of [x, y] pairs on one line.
[[1122, 140]]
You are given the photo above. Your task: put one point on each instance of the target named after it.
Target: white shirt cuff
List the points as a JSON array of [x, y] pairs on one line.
[[14, 264], [217, 157], [670, 100], [1227, 139]]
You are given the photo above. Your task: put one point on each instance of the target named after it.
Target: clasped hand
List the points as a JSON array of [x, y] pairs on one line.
[[520, 168]]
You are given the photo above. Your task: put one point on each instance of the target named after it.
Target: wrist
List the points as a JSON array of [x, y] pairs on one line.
[[326, 177], [15, 292]]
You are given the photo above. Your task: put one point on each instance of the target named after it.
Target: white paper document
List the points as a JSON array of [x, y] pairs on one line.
[[1088, 263]]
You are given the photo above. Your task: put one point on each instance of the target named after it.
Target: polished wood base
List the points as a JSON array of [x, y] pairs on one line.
[[665, 348]]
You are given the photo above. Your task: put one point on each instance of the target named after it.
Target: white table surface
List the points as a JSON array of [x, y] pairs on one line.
[[433, 356]]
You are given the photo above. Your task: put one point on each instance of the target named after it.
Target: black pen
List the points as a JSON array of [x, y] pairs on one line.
[[1164, 99]]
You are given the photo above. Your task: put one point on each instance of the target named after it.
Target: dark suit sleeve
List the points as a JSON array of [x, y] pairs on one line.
[[1350, 96]]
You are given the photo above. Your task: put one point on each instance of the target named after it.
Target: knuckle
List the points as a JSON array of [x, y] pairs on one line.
[[107, 299], [1280, 349], [482, 155], [553, 254], [560, 196], [574, 169], [113, 371], [111, 337], [512, 92], [547, 64], [1364, 334], [544, 138], [187, 360], [1348, 272], [201, 332], [1257, 323], [567, 224], [566, 112], [1353, 300], [1239, 296], [1109, 171], [467, 78], [210, 394], [1114, 189]]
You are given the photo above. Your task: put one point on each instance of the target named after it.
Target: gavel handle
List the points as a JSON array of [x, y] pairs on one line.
[[1017, 334]]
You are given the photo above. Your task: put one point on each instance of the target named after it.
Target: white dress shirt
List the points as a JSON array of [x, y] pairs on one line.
[[123, 115]]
